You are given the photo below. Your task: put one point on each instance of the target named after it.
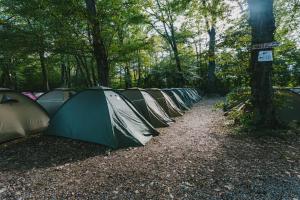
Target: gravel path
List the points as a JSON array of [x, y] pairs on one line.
[[195, 158]]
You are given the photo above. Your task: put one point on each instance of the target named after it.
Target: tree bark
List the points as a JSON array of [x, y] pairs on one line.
[[44, 70], [139, 81], [211, 60], [99, 48], [128, 81], [83, 75], [263, 28]]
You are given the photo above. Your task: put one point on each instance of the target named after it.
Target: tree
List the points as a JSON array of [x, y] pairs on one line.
[[262, 23], [99, 48], [212, 10], [163, 17]]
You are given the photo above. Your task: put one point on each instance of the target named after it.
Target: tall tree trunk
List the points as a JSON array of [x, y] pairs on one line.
[[83, 75], [139, 81], [63, 72], [86, 69], [44, 70], [211, 60], [263, 28], [128, 82], [95, 82], [99, 48]]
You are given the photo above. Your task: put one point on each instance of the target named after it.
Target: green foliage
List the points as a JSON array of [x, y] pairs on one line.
[[141, 50]]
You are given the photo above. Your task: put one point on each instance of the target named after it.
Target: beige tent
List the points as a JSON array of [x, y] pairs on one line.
[[19, 116], [165, 102], [53, 100], [290, 111]]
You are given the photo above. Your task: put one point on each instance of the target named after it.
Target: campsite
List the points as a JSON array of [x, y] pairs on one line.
[[150, 99]]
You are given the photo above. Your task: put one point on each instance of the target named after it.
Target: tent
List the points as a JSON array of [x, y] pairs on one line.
[[290, 111], [30, 95], [53, 100], [38, 94], [148, 107], [176, 99], [193, 94], [184, 96], [19, 116], [165, 102], [101, 116], [296, 90]]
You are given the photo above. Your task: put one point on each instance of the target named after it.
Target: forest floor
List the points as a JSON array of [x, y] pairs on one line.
[[198, 157]]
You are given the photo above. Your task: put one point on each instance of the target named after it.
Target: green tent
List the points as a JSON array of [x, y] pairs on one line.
[[184, 96], [101, 116], [177, 99], [20, 116], [148, 107], [290, 111], [165, 102], [193, 94], [53, 100]]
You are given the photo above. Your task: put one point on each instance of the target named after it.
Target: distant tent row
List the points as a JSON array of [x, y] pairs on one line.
[[100, 115]]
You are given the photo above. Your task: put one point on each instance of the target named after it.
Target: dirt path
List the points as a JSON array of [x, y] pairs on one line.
[[195, 158]]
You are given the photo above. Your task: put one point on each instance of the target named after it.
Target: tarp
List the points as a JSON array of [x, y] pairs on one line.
[[53, 100], [165, 102], [101, 116], [148, 107], [20, 116]]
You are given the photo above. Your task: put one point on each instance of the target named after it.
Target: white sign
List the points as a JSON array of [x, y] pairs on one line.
[[265, 56]]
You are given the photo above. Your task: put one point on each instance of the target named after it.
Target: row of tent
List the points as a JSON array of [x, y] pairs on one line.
[[115, 118]]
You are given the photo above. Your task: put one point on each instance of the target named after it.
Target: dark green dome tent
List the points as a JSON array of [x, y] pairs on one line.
[[193, 94], [176, 99], [148, 107], [20, 116], [165, 102], [290, 111], [52, 101], [184, 96], [102, 116]]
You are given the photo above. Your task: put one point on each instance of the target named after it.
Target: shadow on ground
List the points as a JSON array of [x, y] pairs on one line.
[[249, 168], [45, 151]]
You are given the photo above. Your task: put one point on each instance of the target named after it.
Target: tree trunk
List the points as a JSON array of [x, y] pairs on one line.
[[63, 72], [99, 48], [83, 75], [211, 60], [95, 82], [263, 28], [44, 71], [86, 69], [128, 82], [139, 81]]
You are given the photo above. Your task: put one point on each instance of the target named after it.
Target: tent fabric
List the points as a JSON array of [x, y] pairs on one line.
[[184, 96], [30, 95], [295, 90], [101, 116], [53, 100], [38, 94], [148, 107], [20, 116], [165, 102], [176, 99], [193, 95], [291, 106]]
